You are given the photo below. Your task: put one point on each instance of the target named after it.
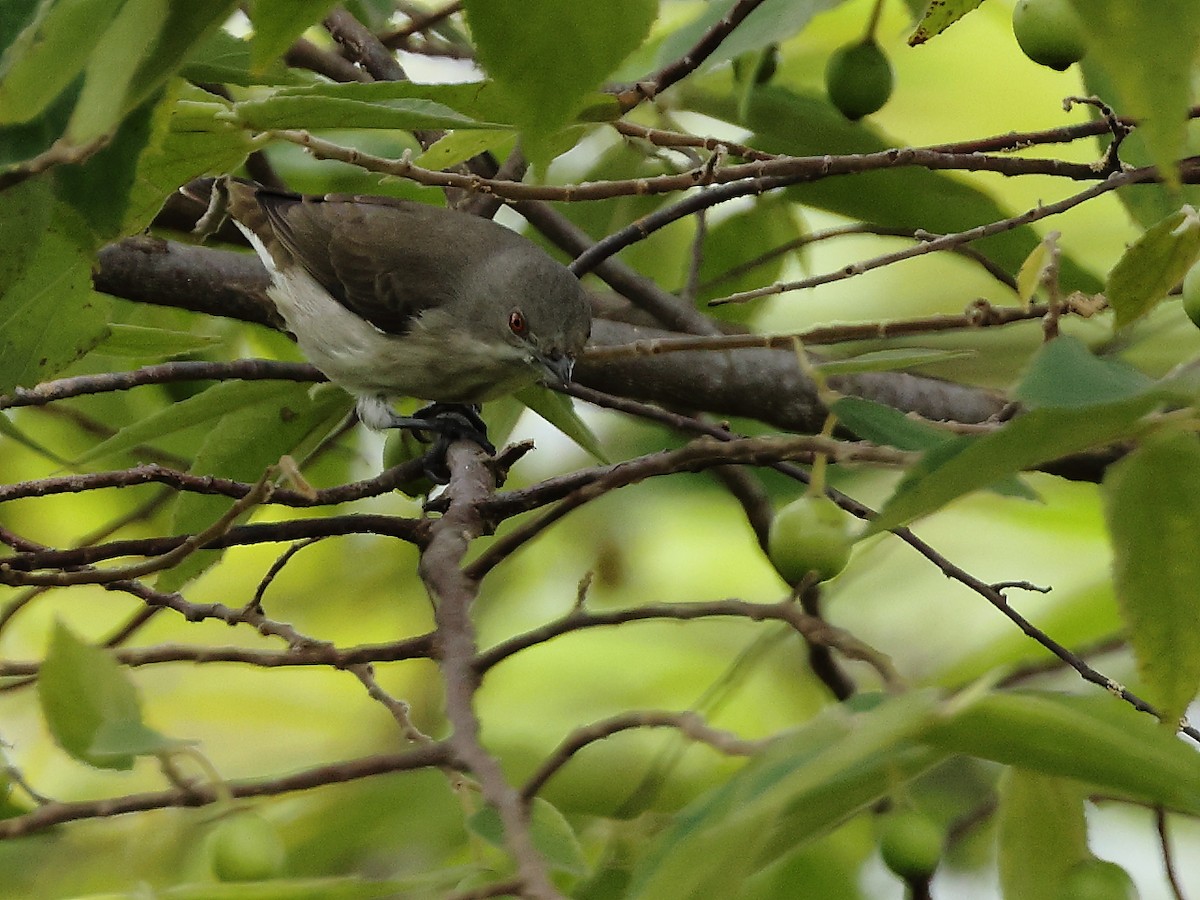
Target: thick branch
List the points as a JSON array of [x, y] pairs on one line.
[[452, 593], [764, 384]]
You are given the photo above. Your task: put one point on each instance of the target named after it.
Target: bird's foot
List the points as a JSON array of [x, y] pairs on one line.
[[447, 423]]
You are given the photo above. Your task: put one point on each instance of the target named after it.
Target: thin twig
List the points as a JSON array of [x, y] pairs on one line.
[[152, 473], [305, 654], [979, 315], [399, 709], [809, 627], [1164, 843], [678, 69], [399, 37], [688, 724], [697, 456], [162, 373], [814, 237], [57, 813], [945, 242], [167, 560], [736, 180]]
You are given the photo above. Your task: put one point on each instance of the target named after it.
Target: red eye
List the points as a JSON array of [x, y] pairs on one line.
[[517, 324]]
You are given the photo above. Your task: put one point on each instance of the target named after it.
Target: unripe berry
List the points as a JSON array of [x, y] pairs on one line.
[[811, 534], [858, 79], [910, 844], [245, 847], [1049, 32]]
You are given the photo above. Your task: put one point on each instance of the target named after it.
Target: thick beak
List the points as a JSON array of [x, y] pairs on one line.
[[559, 367]]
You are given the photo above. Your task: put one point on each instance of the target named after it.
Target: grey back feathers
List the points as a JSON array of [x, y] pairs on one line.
[[450, 297]]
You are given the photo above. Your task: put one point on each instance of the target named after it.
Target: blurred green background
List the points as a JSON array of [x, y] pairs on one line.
[[675, 539]]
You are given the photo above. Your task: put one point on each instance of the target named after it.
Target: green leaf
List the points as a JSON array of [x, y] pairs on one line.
[[50, 316], [1094, 738], [1042, 833], [15, 15], [188, 24], [732, 243], [500, 416], [1065, 374], [559, 411], [208, 407], [481, 101], [48, 55], [123, 738], [1150, 201], [24, 215], [1122, 36], [938, 17], [13, 433], [966, 464], [20, 143], [889, 360], [770, 23], [548, 55], [881, 424], [258, 428], [277, 24], [1152, 506], [108, 85], [1029, 276], [800, 786], [186, 139], [552, 835], [461, 145], [1153, 265], [10, 806], [314, 111], [224, 59], [99, 189], [139, 342], [556, 839], [83, 691]]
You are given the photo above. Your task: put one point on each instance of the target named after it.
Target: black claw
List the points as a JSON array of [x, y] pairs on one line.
[[457, 421], [441, 424]]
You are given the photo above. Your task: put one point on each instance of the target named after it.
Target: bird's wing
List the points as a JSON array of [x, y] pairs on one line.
[[386, 262]]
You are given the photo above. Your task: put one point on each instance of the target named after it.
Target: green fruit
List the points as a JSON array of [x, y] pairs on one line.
[[1098, 879], [245, 847], [1191, 294], [811, 534], [858, 79], [910, 844], [1049, 32]]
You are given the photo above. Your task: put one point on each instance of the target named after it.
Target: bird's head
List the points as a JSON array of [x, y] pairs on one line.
[[548, 317]]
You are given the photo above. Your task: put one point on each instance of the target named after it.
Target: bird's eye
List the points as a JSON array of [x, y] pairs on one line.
[[517, 323]]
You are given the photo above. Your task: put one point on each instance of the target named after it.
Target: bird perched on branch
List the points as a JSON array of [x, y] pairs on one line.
[[395, 298]]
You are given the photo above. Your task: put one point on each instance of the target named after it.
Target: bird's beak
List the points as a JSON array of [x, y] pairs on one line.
[[559, 367]]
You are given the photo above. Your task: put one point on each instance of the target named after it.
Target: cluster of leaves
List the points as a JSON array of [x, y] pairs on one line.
[[107, 106]]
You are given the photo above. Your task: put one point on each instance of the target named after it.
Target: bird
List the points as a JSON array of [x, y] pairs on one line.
[[393, 298]]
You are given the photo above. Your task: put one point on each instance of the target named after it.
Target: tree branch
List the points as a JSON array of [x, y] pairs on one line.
[[452, 592], [57, 813], [748, 382]]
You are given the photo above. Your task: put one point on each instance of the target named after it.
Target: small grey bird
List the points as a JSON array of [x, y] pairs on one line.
[[395, 298]]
